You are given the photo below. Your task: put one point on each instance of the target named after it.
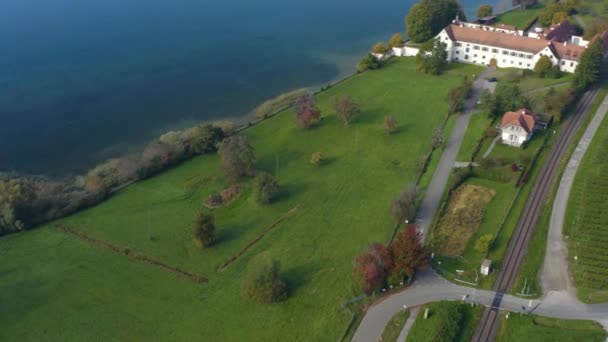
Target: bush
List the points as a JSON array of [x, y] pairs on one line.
[[542, 66], [237, 158], [491, 132], [203, 230], [390, 124], [265, 187], [448, 319], [484, 11], [317, 159], [369, 62], [262, 282], [275, 104], [483, 243]]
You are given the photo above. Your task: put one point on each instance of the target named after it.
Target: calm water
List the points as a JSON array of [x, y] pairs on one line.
[[81, 81]]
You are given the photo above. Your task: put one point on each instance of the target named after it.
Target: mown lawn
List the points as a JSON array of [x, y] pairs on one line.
[[423, 329], [475, 131], [585, 223], [520, 18], [69, 290], [543, 329]]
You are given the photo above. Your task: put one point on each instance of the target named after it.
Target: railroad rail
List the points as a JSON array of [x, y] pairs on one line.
[[518, 246]]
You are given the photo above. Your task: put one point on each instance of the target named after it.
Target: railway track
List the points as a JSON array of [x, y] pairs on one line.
[[518, 246]]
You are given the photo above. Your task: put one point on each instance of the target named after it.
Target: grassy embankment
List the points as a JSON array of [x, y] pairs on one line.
[[341, 207], [394, 326], [543, 329], [520, 18], [446, 318]]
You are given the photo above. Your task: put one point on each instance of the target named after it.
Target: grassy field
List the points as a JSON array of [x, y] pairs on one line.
[[424, 328], [340, 208], [393, 328], [542, 329], [475, 131], [519, 18], [585, 224]]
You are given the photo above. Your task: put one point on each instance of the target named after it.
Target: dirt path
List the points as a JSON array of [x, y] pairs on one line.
[[127, 252]]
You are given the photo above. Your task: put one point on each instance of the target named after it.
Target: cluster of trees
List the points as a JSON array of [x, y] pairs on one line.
[[589, 69], [368, 62], [506, 97], [457, 96], [432, 57], [556, 12], [378, 264], [448, 320], [429, 17], [557, 103], [263, 282]]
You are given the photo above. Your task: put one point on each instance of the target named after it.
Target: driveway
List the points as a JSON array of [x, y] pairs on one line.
[[433, 193]]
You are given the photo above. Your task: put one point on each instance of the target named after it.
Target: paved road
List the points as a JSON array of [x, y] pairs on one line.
[[433, 194], [555, 275]]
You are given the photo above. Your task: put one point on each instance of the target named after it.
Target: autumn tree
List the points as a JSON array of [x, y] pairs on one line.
[[372, 266], [396, 40], [432, 57], [307, 112], [203, 229], [418, 24], [484, 11], [380, 48], [266, 187], [404, 205], [390, 124], [408, 253], [543, 66], [558, 17], [262, 282], [588, 70], [237, 158], [346, 108], [317, 158]]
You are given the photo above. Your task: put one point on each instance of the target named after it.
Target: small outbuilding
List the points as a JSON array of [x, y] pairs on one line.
[[485, 266]]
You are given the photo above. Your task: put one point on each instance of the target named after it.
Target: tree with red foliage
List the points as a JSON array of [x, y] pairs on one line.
[[407, 253], [372, 266], [307, 112]]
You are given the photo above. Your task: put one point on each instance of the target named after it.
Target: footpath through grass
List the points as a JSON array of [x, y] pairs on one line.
[[543, 329], [71, 290]]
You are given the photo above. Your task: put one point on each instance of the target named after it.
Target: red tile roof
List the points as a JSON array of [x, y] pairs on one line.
[[493, 38], [523, 118]]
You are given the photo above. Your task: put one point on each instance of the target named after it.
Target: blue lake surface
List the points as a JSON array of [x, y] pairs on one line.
[[82, 81]]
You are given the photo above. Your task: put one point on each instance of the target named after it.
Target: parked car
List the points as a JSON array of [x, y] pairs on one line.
[[492, 79]]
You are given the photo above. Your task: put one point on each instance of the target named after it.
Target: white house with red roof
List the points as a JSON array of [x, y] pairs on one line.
[[517, 127]]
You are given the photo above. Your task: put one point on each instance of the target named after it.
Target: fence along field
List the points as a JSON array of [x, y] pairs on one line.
[[588, 215]]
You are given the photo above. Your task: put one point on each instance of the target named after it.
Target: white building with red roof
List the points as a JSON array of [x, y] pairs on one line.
[[517, 127], [508, 47]]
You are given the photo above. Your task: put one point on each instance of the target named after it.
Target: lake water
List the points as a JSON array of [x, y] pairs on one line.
[[81, 81]]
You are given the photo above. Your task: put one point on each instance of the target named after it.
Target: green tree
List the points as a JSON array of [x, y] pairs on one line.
[[543, 66], [346, 108], [484, 11], [380, 48], [418, 24], [262, 282], [396, 40], [588, 70], [237, 158], [204, 232], [368, 62], [432, 57], [442, 13], [204, 138], [265, 187]]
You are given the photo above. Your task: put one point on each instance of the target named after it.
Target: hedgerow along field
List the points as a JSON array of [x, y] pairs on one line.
[[69, 289], [585, 226]]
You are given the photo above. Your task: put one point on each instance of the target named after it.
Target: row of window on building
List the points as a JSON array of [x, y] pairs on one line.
[[504, 52]]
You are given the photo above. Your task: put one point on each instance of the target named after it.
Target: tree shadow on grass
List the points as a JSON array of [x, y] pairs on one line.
[[19, 298], [288, 191], [299, 275]]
